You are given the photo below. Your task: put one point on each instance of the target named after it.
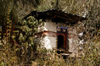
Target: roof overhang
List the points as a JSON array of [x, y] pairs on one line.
[[56, 16]]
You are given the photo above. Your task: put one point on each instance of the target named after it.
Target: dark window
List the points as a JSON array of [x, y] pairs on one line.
[[60, 42]]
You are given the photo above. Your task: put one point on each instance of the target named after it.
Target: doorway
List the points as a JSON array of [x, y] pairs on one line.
[[62, 38], [60, 42]]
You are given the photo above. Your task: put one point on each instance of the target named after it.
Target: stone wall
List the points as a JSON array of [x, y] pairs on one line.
[[73, 40]]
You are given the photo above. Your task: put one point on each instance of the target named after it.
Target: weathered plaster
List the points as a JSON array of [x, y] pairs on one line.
[[50, 42]]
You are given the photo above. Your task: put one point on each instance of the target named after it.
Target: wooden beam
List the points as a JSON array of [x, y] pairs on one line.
[[46, 33]]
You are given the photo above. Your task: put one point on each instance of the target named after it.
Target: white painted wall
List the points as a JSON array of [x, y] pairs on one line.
[[50, 42], [50, 26]]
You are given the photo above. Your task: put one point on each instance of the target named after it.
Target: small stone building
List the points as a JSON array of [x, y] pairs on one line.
[[59, 31]]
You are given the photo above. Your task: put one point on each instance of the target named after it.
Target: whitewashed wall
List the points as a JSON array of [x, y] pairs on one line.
[[50, 26], [50, 42]]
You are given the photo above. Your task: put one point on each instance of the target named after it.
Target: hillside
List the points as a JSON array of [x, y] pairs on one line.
[[18, 35]]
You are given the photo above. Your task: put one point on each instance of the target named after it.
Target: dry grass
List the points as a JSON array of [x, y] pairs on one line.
[[89, 57]]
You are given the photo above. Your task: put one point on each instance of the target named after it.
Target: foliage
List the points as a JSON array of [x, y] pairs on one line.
[[8, 55], [27, 29], [89, 57], [24, 50], [22, 45]]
